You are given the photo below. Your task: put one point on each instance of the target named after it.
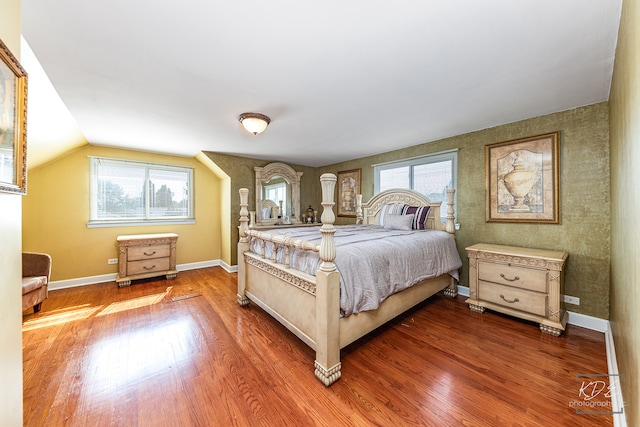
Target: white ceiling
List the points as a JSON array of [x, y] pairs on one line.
[[339, 79]]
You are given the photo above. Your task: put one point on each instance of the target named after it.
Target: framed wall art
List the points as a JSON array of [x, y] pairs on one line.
[[348, 187], [13, 124], [522, 183]]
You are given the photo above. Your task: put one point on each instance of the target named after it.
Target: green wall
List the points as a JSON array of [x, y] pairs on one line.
[[624, 113], [240, 170], [584, 230]]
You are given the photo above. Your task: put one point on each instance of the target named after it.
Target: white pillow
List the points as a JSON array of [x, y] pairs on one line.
[[398, 222], [266, 212], [393, 209]]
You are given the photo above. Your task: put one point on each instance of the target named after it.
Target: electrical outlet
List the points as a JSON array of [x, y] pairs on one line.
[[571, 300], [112, 261]]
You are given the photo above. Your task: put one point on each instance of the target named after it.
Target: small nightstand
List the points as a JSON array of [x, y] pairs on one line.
[[146, 255], [522, 282]]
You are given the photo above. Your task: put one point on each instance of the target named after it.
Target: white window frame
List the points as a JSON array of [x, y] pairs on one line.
[[281, 185], [442, 156], [147, 219]]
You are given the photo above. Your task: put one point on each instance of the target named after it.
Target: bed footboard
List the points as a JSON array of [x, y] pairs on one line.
[[309, 306], [315, 315]]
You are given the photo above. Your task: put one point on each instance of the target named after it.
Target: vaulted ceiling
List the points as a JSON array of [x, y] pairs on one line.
[[339, 79]]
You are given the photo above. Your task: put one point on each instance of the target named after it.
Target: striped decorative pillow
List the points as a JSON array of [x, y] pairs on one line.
[[394, 209], [419, 215]]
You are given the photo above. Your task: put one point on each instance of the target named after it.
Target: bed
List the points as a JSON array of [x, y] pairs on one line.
[[309, 303]]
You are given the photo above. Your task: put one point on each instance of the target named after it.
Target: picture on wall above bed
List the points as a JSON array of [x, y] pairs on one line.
[[523, 180], [348, 187]]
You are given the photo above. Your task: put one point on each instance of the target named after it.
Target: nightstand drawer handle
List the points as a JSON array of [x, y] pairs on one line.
[[152, 253], [510, 302], [509, 280], [153, 266]]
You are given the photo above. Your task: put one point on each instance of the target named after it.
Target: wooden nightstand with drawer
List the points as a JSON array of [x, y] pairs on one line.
[[522, 282], [146, 255]]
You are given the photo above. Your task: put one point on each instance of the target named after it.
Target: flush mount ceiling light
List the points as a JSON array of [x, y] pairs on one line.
[[254, 122]]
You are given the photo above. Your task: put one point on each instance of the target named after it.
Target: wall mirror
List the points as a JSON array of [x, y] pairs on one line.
[[277, 194]]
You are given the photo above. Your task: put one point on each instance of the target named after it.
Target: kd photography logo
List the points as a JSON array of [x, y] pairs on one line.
[[594, 394]]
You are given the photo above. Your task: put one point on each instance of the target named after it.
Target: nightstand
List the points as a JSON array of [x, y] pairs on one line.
[[522, 282], [146, 255]]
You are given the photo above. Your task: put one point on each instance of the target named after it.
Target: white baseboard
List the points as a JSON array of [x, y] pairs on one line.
[[577, 319], [619, 419], [463, 290], [589, 322], [82, 281], [196, 265], [111, 277], [229, 268]]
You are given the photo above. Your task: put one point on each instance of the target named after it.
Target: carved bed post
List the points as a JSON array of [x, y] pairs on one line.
[[450, 227], [359, 218], [327, 364], [243, 246]]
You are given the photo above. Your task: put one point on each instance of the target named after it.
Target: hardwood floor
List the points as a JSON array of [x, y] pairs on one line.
[[183, 352]]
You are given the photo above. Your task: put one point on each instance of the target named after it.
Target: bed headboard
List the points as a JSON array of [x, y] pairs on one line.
[[371, 209]]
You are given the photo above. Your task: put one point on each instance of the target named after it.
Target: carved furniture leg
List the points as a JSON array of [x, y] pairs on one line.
[[327, 364], [243, 246], [476, 308], [550, 330], [452, 290], [242, 277]]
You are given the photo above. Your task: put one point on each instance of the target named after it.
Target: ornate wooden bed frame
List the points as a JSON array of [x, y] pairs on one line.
[[309, 306]]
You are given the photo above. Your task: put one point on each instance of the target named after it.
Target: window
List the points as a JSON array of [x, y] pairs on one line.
[[430, 175], [276, 192], [134, 193]]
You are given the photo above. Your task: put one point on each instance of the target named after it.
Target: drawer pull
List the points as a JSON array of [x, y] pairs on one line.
[[153, 266], [509, 280], [506, 300], [152, 253]]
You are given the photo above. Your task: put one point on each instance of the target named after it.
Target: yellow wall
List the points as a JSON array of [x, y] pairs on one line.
[[10, 263], [56, 211], [224, 208], [624, 118]]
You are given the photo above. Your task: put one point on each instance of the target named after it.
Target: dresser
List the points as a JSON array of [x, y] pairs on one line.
[[522, 282], [146, 255]]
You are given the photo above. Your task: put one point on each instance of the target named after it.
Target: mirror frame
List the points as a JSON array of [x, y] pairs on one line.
[[264, 175]]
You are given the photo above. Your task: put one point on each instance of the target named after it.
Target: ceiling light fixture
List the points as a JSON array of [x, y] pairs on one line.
[[254, 122]]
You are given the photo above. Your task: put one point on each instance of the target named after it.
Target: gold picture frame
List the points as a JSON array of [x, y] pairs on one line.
[[348, 187], [13, 123], [522, 183]]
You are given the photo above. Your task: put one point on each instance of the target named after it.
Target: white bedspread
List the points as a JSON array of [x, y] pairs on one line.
[[374, 262]]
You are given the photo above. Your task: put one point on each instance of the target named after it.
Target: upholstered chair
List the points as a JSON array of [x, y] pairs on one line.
[[36, 273]]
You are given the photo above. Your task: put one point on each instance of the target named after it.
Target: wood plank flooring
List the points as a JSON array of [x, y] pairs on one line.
[[183, 353]]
